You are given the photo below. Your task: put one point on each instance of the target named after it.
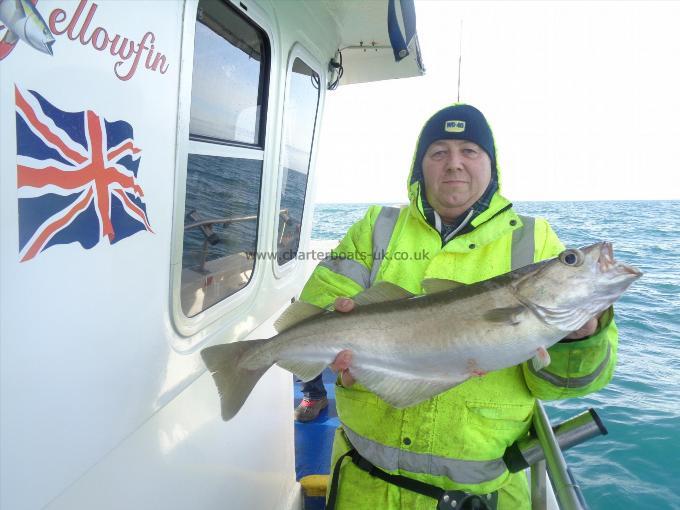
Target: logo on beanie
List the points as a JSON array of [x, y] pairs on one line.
[[454, 126]]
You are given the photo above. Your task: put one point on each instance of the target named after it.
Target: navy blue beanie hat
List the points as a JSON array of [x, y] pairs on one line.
[[456, 122]]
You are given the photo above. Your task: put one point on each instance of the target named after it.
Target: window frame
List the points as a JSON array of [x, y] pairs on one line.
[[262, 90], [297, 51], [196, 329]]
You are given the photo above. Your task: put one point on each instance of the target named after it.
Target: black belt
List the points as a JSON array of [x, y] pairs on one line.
[[446, 500]]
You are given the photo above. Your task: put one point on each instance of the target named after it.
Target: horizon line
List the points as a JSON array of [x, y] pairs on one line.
[[400, 202]]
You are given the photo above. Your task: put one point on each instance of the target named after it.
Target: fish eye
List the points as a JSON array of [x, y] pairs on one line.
[[572, 257]]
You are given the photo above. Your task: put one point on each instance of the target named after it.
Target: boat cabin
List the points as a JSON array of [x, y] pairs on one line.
[[156, 192]]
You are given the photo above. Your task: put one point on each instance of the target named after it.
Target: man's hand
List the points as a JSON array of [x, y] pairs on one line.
[[343, 360], [343, 304], [586, 330]]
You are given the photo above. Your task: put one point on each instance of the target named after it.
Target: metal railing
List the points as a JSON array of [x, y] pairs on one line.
[[542, 451], [567, 492], [211, 238]]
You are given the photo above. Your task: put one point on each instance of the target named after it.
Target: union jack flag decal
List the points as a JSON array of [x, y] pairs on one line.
[[76, 177]]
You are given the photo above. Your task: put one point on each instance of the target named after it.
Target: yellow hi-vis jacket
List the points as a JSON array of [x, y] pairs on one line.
[[455, 440]]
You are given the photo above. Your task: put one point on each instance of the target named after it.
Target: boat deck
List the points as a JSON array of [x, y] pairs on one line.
[[314, 441]]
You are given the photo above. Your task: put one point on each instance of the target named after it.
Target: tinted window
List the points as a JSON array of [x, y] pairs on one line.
[[220, 228], [229, 58], [222, 200], [299, 122]]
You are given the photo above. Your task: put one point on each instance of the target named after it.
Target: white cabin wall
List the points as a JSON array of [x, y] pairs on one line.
[[105, 401], [84, 331]]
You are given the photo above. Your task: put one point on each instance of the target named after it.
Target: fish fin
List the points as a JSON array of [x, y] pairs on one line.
[[402, 390], [296, 313], [10, 38], [18, 13], [8, 43], [234, 383], [381, 292], [303, 370], [541, 360], [510, 315], [434, 285], [5, 49]]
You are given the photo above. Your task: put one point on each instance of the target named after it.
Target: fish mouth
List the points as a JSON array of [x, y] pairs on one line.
[[606, 262], [48, 47]]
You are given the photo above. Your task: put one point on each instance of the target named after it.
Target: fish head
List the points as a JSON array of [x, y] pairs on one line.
[[37, 33], [578, 284]]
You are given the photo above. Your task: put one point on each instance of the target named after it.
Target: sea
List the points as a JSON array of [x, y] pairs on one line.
[[221, 187], [637, 464]]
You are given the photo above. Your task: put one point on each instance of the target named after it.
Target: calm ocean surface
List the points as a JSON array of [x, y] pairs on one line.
[[638, 464]]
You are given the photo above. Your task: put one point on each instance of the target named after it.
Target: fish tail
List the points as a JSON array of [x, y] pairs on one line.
[[234, 382]]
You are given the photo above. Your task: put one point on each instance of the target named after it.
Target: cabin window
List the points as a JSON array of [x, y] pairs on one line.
[[302, 100], [224, 166], [227, 90]]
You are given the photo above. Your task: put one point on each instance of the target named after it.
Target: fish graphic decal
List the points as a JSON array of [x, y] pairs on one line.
[[21, 21]]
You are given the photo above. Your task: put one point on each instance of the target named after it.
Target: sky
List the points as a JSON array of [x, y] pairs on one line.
[[583, 99]]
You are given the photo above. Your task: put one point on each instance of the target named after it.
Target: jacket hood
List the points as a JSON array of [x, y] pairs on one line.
[[437, 128]]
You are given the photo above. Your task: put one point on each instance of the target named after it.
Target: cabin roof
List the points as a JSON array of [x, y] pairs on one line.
[[364, 40]]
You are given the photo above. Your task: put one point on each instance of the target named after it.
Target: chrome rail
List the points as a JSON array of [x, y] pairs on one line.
[[211, 238], [567, 491], [542, 449], [218, 221], [539, 487], [224, 221]]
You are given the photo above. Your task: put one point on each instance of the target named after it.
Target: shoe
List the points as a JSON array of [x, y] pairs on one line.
[[310, 408]]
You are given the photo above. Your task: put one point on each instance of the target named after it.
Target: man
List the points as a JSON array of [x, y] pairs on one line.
[[468, 232]]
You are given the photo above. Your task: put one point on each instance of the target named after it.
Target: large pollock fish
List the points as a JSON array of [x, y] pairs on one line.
[[408, 348]]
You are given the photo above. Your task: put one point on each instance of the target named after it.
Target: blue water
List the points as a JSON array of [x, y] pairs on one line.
[[637, 465]]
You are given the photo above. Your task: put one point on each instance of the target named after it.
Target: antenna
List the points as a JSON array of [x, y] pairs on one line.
[[460, 55]]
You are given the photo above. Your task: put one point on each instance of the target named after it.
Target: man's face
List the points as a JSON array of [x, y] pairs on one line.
[[457, 173]]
